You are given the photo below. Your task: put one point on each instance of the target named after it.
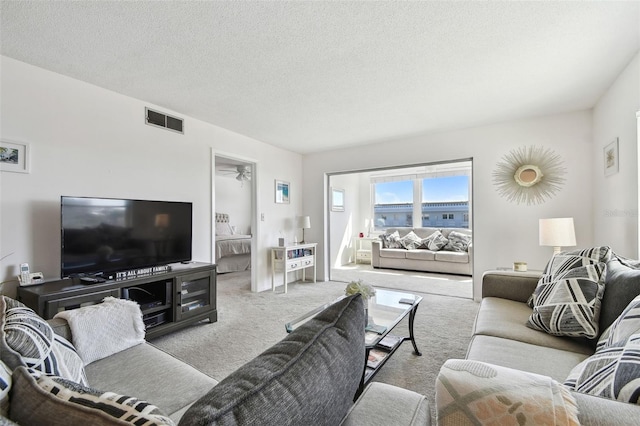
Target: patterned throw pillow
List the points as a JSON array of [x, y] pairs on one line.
[[410, 241], [5, 387], [38, 398], [612, 372], [568, 303], [391, 240], [458, 242], [434, 242], [28, 340], [627, 324]]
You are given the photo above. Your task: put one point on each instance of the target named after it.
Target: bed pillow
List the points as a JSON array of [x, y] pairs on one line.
[[309, 377], [28, 340], [410, 241], [41, 399], [391, 240], [223, 228], [434, 242]]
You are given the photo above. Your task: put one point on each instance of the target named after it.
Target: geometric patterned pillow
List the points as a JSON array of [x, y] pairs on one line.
[[410, 241], [458, 242], [391, 240], [568, 303], [563, 261], [434, 242], [38, 398], [612, 372], [626, 325], [28, 340], [5, 387]]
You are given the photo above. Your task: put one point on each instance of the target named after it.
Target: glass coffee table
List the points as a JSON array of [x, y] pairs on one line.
[[386, 309]]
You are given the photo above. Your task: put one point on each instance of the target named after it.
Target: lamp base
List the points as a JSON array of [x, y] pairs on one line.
[[557, 249]]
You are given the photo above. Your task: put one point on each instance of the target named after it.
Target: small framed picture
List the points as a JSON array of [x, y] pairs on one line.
[[14, 157], [611, 158], [337, 200], [282, 192]]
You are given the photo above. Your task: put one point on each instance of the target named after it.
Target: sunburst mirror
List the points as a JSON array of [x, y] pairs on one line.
[[529, 175]]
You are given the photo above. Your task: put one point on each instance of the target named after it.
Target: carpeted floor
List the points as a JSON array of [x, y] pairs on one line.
[[248, 323]]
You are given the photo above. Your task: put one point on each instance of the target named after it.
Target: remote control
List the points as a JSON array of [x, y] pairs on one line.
[[91, 280]]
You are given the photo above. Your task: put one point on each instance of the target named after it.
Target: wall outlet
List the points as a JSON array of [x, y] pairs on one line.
[[262, 217]]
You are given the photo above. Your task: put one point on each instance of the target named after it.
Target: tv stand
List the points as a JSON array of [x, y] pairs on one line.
[[168, 300]]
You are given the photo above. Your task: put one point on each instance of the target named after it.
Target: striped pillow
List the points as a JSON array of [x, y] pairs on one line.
[[42, 398], [28, 340]]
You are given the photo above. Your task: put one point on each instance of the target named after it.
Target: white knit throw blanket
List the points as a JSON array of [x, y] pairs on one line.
[[104, 329]]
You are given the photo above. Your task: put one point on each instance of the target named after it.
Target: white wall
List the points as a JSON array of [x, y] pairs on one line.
[[234, 199], [89, 141], [503, 232], [344, 225], [615, 209]]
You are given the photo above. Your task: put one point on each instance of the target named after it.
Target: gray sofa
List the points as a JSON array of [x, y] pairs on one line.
[[421, 259], [500, 336], [310, 377]]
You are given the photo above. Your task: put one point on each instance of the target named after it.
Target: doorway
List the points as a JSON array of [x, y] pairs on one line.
[[234, 215], [436, 195]]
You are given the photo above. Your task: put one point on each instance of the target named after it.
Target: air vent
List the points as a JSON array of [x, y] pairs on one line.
[[155, 118]]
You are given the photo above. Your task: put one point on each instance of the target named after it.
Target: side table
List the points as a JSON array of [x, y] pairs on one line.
[[292, 258]]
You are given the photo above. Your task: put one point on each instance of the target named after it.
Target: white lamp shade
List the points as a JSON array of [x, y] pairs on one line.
[[304, 222], [557, 232]]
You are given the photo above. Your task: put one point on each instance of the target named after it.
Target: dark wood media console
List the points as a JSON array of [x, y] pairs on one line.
[[168, 300]]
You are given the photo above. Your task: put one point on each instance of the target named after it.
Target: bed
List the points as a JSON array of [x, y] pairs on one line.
[[233, 251]]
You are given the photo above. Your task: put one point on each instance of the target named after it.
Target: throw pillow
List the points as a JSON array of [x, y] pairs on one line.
[[472, 392], [622, 284], [612, 372], [311, 376], [566, 260], [410, 241], [568, 303], [458, 242], [627, 324], [435, 241], [223, 228], [28, 340], [5, 387], [391, 240], [41, 399]]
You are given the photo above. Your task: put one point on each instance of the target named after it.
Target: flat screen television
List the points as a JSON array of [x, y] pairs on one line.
[[101, 236]]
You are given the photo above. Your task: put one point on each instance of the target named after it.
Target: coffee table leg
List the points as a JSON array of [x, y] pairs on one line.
[[412, 316]]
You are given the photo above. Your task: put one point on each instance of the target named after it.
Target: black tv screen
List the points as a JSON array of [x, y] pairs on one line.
[[106, 235]]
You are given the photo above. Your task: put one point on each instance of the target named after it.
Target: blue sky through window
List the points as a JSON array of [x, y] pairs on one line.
[[452, 188]]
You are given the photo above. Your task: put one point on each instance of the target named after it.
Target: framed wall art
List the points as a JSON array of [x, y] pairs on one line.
[[611, 158], [14, 157], [282, 192], [337, 200]]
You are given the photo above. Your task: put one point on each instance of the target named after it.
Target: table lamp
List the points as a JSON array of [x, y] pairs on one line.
[[557, 232], [304, 222]]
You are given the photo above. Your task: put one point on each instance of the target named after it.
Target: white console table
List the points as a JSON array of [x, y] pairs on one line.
[[292, 258]]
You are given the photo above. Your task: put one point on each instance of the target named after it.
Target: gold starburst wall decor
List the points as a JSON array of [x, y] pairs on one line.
[[529, 174]]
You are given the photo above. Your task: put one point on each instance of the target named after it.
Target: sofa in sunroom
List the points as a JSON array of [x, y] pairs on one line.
[[444, 250]]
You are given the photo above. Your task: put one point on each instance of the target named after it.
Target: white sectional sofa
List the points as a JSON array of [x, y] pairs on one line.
[[422, 259]]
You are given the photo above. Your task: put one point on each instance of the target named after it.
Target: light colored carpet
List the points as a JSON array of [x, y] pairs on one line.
[[421, 282], [249, 323]]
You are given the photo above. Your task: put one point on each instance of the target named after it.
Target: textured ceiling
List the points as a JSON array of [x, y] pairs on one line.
[[312, 76]]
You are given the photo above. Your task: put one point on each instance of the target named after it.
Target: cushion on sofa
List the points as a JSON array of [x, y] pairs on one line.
[[566, 301], [397, 253], [391, 240], [28, 340], [622, 284], [421, 254], [310, 376], [452, 256], [5, 387], [627, 324], [469, 392], [434, 242], [457, 241], [410, 241], [41, 399]]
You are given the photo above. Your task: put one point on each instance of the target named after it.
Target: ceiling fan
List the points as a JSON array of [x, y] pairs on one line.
[[243, 172]]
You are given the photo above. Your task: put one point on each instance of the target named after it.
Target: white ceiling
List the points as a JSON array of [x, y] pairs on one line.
[[312, 76]]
